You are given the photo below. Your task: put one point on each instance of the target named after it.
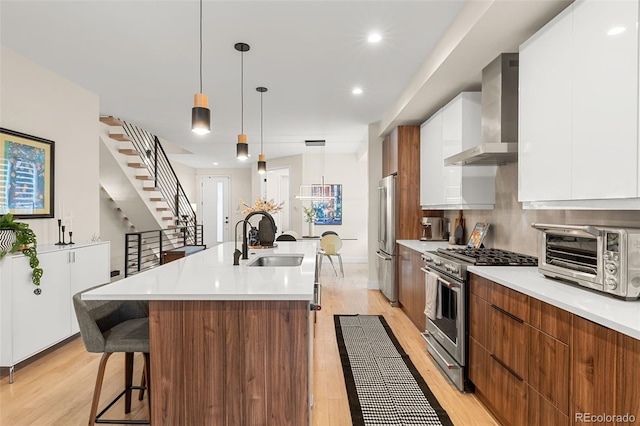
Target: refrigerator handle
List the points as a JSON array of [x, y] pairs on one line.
[[382, 212], [381, 256]]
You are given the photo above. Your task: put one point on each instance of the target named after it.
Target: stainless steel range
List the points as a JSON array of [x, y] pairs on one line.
[[447, 307]]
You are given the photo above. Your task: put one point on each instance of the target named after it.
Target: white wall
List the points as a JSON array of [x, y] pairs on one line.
[[350, 170], [35, 101], [374, 175]]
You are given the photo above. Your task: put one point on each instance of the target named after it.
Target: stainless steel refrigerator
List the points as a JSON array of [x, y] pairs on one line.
[[386, 253]]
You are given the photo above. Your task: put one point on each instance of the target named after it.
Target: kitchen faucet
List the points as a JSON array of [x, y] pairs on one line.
[[245, 244]]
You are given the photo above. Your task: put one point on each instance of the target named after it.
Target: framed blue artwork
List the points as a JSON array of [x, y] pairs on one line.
[[26, 171], [327, 203]]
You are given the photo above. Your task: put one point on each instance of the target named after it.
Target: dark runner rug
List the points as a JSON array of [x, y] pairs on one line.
[[383, 385]]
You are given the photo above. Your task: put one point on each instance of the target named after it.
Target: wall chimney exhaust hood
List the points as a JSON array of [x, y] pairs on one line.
[[499, 116]]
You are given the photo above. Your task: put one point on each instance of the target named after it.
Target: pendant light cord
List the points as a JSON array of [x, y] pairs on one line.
[[242, 92], [200, 46], [261, 133]]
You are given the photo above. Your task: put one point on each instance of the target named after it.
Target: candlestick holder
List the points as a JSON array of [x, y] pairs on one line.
[[70, 235], [60, 234]]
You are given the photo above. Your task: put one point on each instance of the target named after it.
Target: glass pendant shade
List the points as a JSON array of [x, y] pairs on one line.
[[262, 164], [242, 148], [200, 115]]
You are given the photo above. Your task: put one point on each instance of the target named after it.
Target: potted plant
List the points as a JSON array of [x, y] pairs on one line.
[[310, 216], [25, 241]]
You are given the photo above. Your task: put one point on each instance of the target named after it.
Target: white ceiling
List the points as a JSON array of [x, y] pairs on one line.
[[141, 58]]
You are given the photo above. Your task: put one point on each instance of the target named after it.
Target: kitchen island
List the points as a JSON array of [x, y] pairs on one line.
[[229, 344]]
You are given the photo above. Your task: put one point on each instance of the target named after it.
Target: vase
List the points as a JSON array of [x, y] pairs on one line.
[[266, 233], [7, 238], [310, 229], [253, 239]]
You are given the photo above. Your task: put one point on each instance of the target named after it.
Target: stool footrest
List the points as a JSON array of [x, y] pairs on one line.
[[120, 422]]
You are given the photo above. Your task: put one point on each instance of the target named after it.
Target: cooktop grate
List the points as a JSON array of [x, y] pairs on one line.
[[487, 257]]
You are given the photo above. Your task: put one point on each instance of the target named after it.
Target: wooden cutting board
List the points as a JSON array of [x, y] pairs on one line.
[[458, 230]]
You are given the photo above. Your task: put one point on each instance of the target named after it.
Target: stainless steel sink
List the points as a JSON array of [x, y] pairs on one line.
[[277, 260]]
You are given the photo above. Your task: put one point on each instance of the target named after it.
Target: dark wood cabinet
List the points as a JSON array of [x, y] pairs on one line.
[[520, 372], [593, 368], [390, 154], [401, 156], [411, 287], [535, 364]]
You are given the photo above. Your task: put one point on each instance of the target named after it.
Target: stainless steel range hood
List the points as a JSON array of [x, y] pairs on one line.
[[499, 116]]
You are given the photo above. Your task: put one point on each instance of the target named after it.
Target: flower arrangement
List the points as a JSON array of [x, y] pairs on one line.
[[310, 214], [262, 205]]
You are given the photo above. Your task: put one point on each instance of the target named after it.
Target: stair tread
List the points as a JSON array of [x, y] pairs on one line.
[[128, 151], [150, 188], [144, 177], [137, 165], [120, 137], [110, 120]]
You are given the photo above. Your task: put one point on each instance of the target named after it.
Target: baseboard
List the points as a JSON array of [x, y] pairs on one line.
[[373, 285]]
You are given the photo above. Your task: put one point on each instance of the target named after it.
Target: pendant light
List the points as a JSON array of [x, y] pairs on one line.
[[262, 161], [200, 113], [242, 148]]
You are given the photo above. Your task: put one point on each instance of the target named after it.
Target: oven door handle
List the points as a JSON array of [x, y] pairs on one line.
[[568, 229], [444, 361], [452, 286]]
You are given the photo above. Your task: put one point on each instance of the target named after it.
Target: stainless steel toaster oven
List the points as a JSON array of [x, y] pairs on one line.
[[600, 258]]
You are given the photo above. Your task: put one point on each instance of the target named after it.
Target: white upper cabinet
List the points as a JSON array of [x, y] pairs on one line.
[[454, 128], [578, 127], [431, 170], [605, 100], [544, 125]]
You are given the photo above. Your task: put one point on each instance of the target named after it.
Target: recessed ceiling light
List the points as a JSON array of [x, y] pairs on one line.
[[215, 164], [616, 31], [374, 38], [357, 91]]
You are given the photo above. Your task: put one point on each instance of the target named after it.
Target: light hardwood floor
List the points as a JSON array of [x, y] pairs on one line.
[[57, 388]]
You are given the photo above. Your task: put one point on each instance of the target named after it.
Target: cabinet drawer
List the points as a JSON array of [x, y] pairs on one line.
[[478, 365], [553, 321], [479, 286], [479, 320], [513, 302], [507, 395], [542, 412], [509, 340], [549, 369]]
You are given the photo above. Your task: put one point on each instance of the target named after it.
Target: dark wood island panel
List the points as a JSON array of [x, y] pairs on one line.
[[229, 362]]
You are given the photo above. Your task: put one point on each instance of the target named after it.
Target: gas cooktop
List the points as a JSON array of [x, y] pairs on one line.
[[488, 257]]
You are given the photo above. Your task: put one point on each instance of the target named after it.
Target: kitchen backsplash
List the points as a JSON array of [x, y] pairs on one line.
[[511, 225]]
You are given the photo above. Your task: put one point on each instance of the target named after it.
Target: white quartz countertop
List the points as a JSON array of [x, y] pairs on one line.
[[210, 275], [423, 246], [617, 314]]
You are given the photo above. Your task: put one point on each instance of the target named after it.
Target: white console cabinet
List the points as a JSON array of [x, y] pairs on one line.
[[31, 323], [578, 140]]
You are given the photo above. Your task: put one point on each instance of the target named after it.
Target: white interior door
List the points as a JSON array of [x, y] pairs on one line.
[[214, 211]]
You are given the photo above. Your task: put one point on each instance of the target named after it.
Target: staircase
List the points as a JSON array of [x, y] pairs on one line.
[[142, 186]]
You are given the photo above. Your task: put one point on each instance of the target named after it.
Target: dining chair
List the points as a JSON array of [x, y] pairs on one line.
[[330, 245], [325, 233], [107, 327], [286, 237]]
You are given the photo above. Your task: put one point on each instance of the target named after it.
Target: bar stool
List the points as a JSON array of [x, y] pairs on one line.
[[109, 326]]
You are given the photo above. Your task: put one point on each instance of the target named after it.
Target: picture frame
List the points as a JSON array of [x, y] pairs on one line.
[[327, 203], [27, 168]]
